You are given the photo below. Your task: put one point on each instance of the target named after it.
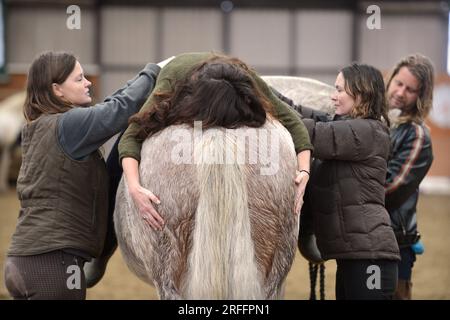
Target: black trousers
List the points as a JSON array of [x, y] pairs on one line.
[[406, 265], [115, 174], [366, 279]]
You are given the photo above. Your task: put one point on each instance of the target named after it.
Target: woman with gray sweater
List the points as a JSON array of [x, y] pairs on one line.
[[63, 181]]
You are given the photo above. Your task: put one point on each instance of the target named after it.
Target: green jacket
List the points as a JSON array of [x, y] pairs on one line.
[[178, 68]]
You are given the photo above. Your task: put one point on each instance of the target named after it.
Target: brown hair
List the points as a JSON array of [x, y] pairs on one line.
[[365, 84], [218, 92], [46, 69], [422, 68]]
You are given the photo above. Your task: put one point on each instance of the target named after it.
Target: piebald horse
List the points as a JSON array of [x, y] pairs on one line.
[[227, 197]]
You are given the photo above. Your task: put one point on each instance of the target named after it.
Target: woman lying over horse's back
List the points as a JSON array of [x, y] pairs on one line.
[[224, 169]]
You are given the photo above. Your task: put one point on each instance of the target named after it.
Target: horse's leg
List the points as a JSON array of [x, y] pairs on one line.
[[278, 292], [282, 260], [150, 257], [153, 261], [271, 204], [168, 266], [276, 282]]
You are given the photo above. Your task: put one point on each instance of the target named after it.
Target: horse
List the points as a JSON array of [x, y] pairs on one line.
[[11, 122], [307, 92], [230, 229]]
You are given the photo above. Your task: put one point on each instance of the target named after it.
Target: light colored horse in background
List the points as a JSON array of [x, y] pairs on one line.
[[11, 122], [230, 231], [307, 92]]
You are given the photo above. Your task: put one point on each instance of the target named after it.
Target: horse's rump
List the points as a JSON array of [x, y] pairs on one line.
[[230, 231]]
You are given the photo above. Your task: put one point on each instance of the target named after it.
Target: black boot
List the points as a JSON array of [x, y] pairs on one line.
[[404, 290], [95, 269]]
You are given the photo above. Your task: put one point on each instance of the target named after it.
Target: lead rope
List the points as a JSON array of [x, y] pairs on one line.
[[313, 268]]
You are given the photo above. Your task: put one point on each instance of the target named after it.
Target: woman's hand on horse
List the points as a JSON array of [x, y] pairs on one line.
[[143, 200], [301, 180]]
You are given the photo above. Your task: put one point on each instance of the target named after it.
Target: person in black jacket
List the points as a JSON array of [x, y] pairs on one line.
[[409, 89], [344, 201]]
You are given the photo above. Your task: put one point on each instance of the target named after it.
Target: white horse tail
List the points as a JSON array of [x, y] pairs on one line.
[[222, 259]]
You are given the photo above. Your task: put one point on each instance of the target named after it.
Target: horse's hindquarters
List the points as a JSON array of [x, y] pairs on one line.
[[229, 226]]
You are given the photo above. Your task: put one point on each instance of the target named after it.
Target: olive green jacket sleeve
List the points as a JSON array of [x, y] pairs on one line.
[[130, 145], [288, 117]]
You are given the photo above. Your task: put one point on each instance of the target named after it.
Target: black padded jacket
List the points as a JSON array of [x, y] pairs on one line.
[[410, 159]]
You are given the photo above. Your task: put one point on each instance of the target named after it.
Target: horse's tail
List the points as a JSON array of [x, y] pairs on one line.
[[222, 261]]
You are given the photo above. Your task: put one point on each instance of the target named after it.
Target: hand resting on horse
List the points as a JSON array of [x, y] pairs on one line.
[[302, 178], [142, 198]]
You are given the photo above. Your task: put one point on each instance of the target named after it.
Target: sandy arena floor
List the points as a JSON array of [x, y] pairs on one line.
[[431, 275]]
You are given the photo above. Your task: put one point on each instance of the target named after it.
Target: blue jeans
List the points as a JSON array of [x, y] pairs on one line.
[[406, 264]]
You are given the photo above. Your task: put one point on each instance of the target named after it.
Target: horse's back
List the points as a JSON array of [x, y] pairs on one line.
[[304, 91]]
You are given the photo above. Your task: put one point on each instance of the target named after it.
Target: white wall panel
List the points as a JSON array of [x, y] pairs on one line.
[[113, 80], [129, 35], [324, 38], [189, 30], [401, 35], [261, 37], [33, 30]]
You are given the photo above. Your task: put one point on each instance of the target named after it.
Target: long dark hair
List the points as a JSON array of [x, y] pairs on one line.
[[218, 92], [46, 69], [365, 85]]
